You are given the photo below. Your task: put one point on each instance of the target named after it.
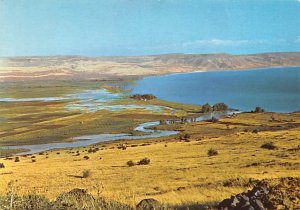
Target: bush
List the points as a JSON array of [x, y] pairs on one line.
[[144, 161], [2, 165], [162, 122], [268, 145], [185, 136], [258, 110], [34, 202], [86, 157], [93, 150], [122, 146], [130, 163], [80, 199], [212, 152], [255, 131], [214, 120], [143, 96], [33, 160], [220, 107], [86, 173], [206, 108], [17, 159]]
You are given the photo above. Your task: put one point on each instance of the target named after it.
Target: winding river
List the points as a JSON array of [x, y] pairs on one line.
[[82, 141]]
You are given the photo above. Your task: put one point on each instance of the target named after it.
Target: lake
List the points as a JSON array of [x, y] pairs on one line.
[[274, 89]]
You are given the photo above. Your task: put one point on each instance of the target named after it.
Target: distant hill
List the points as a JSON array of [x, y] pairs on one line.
[[115, 67]]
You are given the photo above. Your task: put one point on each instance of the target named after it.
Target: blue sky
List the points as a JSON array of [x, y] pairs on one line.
[[139, 27]]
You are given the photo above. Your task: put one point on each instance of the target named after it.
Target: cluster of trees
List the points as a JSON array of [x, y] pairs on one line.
[[217, 107], [258, 109], [143, 96]]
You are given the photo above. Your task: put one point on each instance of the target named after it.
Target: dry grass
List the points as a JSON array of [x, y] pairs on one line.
[[180, 173]]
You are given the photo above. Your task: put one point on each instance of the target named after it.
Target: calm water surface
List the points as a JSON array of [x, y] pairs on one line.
[[274, 89]]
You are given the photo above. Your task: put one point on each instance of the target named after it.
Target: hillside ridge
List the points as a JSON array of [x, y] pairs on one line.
[[112, 67]]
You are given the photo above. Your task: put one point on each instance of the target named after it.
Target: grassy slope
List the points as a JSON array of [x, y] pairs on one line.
[[180, 172]]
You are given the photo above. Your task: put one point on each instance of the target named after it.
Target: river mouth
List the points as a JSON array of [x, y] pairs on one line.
[[88, 140]]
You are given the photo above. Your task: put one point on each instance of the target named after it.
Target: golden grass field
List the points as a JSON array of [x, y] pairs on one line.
[[180, 171]]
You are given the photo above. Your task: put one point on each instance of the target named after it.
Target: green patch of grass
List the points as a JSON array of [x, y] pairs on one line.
[[9, 152]]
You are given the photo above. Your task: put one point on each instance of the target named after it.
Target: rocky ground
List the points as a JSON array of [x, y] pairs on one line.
[[267, 194]]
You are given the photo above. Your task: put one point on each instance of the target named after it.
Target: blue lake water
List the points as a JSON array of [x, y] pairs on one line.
[[274, 89]]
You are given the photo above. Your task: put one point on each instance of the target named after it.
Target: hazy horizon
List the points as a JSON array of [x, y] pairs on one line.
[[141, 55]]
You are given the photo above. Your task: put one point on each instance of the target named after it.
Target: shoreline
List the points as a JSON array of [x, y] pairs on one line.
[[224, 70]]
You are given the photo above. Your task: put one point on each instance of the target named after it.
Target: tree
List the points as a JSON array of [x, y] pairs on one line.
[[206, 108], [220, 107], [258, 109]]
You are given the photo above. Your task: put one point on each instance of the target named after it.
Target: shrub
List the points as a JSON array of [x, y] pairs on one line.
[[33, 160], [258, 110], [86, 173], [185, 136], [37, 202], [162, 122], [130, 163], [122, 146], [17, 159], [32, 156], [144, 161], [41, 153], [58, 153], [86, 157], [220, 107], [212, 152], [93, 150], [206, 108], [2, 165], [268, 145], [143, 96], [214, 120], [255, 131]]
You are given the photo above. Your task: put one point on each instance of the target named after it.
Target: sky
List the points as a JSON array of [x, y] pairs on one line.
[[143, 27]]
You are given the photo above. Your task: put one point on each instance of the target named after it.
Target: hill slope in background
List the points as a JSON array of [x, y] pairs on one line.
[[114, 67]]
